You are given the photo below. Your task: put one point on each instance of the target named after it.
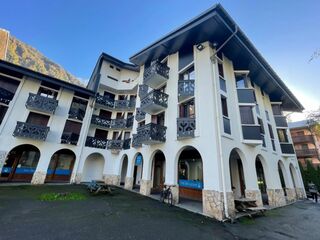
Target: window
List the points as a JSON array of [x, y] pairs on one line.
[[112, 67], [219, 55], [105, 114], [116, 136], [158, 119], [267, 116], [118, 69], [258, 109], [72, 127], [187, 109], [272, 137], [3, 110], [38, 119], [220, 69], [188, 74], [246, 115], [241, 81], [120, 115], [101, 134], [140, 124], [126, 135], [46, 92], [262, 132], [108, 95], [276, 109], [282, 134], [112, 78], [261, 91], [304, 146], [224, 106], [223, 85]]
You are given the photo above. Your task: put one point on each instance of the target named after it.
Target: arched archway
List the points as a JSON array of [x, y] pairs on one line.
[[137, 170], [238, 183], [61, 166], [282, 176], [158, 171], [93, 168], [190, 174], [261, 181], [21, 163], [124, 168], [294, 175]]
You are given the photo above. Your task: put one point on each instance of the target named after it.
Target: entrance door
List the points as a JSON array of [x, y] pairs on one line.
[[60, 167], [158, 179], [20, 164]]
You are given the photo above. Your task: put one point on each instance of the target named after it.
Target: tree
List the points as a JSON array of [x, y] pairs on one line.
[[313, 122]]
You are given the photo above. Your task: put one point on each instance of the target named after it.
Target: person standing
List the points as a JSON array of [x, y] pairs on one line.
[[314, 191]]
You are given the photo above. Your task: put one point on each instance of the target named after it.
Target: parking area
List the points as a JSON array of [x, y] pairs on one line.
[[127, 215]]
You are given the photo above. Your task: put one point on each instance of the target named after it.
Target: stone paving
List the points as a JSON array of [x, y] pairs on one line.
[[128, 215]]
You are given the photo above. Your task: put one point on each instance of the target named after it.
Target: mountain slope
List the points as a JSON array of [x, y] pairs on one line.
[[24, 55]]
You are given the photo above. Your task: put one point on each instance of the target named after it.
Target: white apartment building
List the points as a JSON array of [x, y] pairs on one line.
[[200, 110]]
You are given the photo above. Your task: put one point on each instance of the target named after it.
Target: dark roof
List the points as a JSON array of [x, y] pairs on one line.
[[94, 81], [216, 25], [18, 71]]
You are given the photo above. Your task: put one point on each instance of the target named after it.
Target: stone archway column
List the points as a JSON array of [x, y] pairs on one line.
[[252, 190], [146, 182], [40, 174]]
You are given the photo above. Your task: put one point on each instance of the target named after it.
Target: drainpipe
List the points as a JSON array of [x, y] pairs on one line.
[[218, 120]]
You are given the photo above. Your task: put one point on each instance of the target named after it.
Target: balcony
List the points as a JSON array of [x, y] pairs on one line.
[[143, 90], [307, 152], [186, 127], [251, 134], [28, 130], [76, 113], [5, 96], [281, 121], [152, 133], [96, 142], [185, 89], [287, 148], [111, 104], [140, 115], [246, 95], [154, 102], [118, 145], [41, 103], [120, 123], [136, 141], [156, 75], [303, 139], [69, 138]]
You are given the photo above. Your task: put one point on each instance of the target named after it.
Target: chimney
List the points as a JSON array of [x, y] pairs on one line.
[[4, 42]]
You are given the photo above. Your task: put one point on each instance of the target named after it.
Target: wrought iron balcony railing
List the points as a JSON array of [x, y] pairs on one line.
[[136, 141], [155, 102], [152, 133], [99, 121], [70, 138], [76, 113], [281, 121], [115, 104], [28, 130], [143, 90], [186, 127], [96, 142], [185, 89], [156, 75], [41, 103], [140, 115], [115, 144], [5, 96], [112, 123]]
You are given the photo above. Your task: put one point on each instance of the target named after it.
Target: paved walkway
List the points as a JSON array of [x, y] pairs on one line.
[[127, 215]]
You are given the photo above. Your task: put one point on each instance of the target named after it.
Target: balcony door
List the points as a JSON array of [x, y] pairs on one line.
[[38, 119]]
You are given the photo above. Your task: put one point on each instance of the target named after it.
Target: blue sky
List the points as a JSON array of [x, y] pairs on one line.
[[74, 33]]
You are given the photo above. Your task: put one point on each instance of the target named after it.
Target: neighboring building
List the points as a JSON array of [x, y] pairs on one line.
[[306, 143], [207, 120]]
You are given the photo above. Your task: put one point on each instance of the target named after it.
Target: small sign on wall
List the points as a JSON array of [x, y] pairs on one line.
[[138, 160]]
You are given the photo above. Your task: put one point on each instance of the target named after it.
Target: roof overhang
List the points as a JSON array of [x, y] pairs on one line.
[[215, 25]]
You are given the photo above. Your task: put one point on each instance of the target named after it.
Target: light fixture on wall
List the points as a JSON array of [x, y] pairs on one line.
[[200, 47]]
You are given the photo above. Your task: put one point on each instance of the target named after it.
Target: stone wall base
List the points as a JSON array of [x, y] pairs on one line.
[[145, 187], [276, 197], [291, 195], [213, 204], [38, 178], [112, 180], [128, 183], [254, 195], [300, 193]]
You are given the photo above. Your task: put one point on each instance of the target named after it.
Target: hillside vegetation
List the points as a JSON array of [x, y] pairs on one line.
[[24, 55]]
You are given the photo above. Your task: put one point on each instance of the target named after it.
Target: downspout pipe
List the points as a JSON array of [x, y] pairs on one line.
[[213, 58]]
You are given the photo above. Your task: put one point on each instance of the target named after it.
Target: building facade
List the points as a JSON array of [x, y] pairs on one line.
[[199, 110], [306, 143]]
